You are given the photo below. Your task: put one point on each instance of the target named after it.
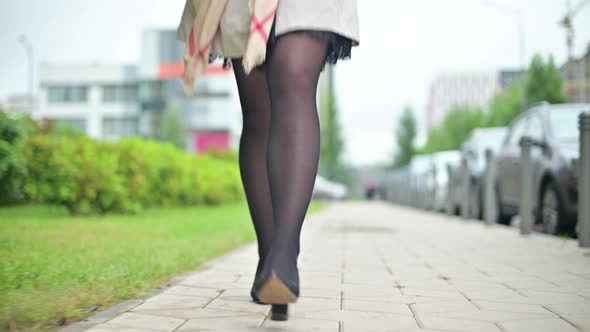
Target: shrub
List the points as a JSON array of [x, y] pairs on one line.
[[79, 174], [91, 177], [13, 134], [218, 181]]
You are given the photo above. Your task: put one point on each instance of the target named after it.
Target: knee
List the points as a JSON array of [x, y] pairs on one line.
[[294, 77], [256, 126]]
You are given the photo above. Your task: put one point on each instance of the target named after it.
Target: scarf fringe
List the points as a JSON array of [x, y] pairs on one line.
[[205, 25], [251, 61]]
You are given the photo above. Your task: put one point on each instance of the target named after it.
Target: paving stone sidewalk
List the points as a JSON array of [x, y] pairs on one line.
[[377, 267]]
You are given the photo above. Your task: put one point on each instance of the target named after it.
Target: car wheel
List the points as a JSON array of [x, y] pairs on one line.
[[551, 208]]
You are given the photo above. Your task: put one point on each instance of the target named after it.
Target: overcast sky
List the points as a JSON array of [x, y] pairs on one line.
[[404, 43]]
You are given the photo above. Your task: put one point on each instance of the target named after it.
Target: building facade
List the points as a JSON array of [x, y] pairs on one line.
[[577, 78], [459, 88], [115, 101]]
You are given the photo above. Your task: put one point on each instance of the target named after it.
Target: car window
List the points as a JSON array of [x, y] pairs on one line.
[[517, 131], [535, 128]]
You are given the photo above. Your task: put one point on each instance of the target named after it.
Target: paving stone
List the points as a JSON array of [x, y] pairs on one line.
[[443, 307], [538, 325], [113, 327], [204, 313], [582, 321], [300, 325], [373, 306], [145, 322], [511, 307], [486, 294], [312, 304], [495, 316], [542, 299], [165, 301], [236, 324], [346, 315], [244, 306], [435, 284], [384, 324], [433, 293], [333, 284], [329, 293], [571, 308], [191, 291], [534, 284], [446, 324], [360, 291], [473, 285]]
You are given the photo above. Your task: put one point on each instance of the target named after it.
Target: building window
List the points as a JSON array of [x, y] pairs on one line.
[[78, 124], [119, 93], [120, 127], [67, 94]]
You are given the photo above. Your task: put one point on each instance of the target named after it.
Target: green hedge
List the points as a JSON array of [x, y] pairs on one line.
[[90, 177], [14, 131]]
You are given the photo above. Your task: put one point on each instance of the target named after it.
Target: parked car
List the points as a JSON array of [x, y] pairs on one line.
[[473, 150], [554, 129], [394, 186], [441, 190], [325, 189], [420, 180]]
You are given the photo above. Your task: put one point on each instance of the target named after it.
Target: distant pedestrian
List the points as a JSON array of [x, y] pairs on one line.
[[277, 50], [370, 189]]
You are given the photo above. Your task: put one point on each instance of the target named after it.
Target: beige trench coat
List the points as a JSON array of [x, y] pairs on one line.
[[339, 16]]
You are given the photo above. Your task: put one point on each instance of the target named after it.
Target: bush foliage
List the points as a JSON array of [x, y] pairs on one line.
[[13, 134], [94, 177]]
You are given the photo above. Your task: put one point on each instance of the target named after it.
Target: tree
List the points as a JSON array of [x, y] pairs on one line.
[[505, 107], [331, 139], [172, 130], [544, 82], [405, 135], [455, 128]]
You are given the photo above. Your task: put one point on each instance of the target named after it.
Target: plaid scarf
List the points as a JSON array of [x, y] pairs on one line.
[[204, 27]]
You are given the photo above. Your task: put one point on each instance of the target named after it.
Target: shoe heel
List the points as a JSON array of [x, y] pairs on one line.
[[279, 312], [274, 291]]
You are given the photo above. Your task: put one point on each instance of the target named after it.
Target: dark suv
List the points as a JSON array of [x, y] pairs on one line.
[[554, 128]]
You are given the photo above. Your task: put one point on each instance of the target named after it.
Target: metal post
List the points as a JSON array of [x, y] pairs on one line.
[[465, 180], [489, 203], [407, 192], [434, 190], [449, 198], [30, 85], [526, 198], [584, 181]]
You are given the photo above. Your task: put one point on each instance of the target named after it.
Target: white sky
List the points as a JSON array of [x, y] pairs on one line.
[[404, 43]]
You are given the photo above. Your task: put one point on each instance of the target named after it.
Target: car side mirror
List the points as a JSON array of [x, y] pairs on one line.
[[543, 145]]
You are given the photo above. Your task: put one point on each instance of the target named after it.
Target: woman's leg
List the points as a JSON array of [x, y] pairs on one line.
[[255, 103], [293, 70]]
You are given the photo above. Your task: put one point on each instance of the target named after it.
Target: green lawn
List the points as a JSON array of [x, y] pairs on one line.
[[54, 267]]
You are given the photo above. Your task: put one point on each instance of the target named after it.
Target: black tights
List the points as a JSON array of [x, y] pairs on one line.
[[280, 143]]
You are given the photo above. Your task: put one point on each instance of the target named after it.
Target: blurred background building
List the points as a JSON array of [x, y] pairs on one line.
[[459, 88], [112, 101], [471, 88], [577, 78]]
